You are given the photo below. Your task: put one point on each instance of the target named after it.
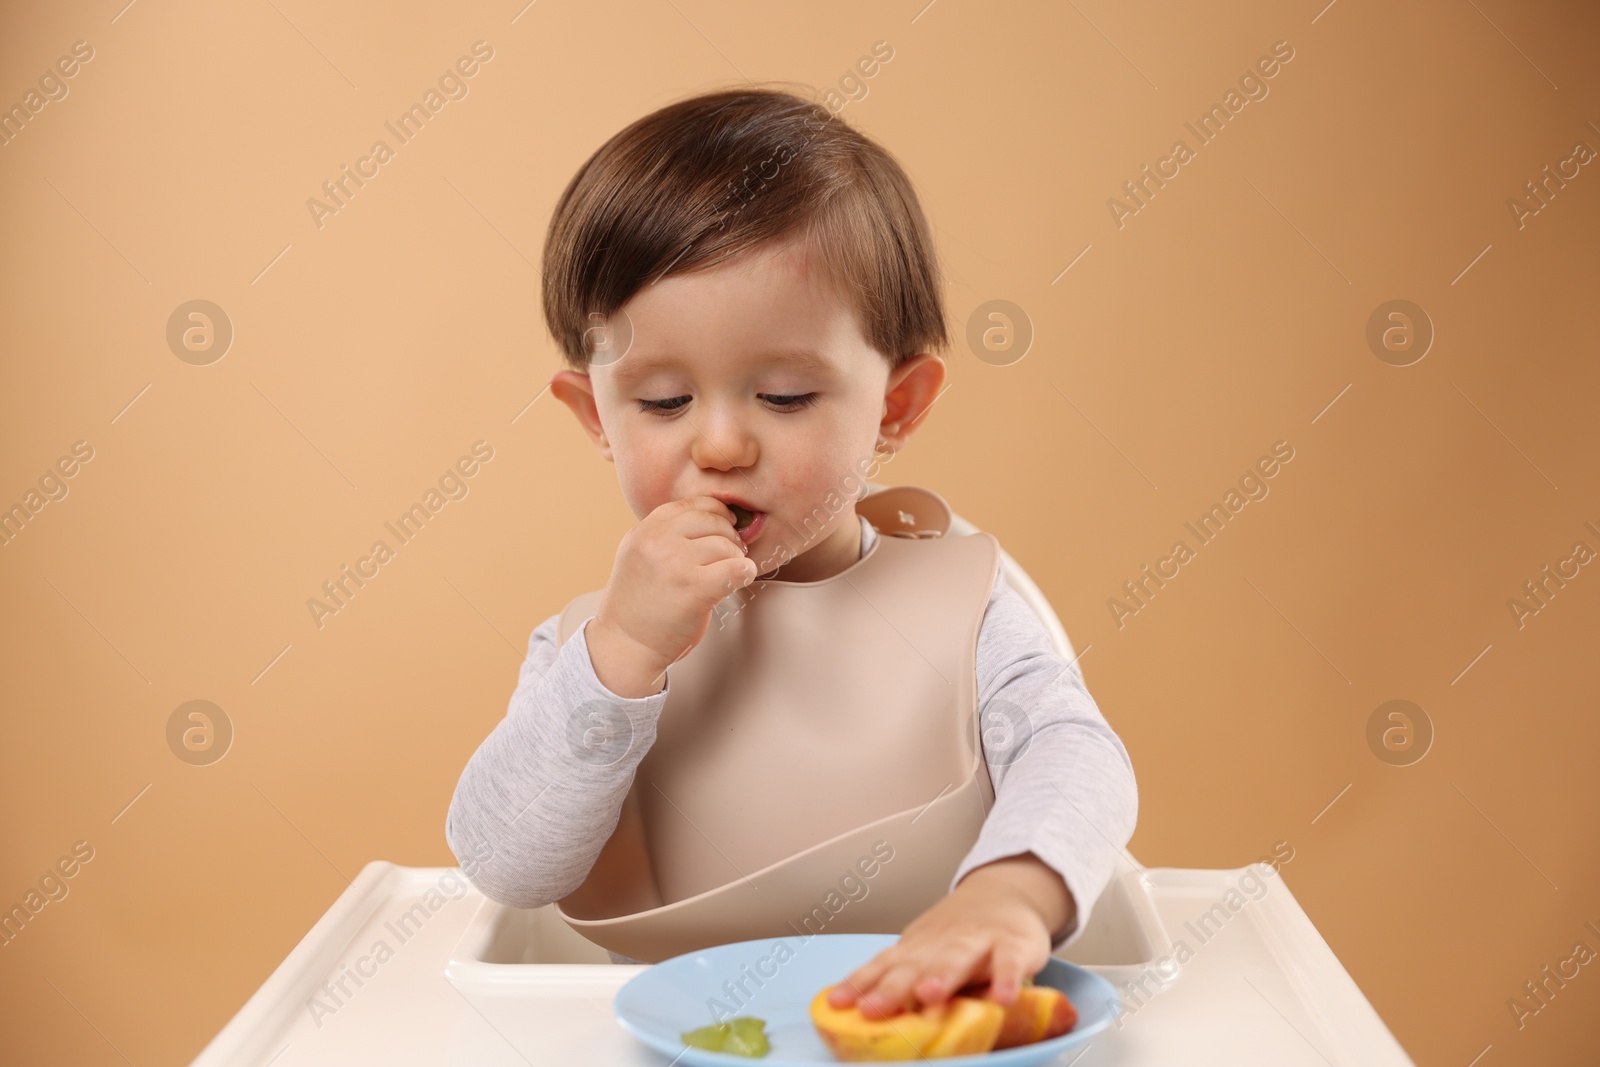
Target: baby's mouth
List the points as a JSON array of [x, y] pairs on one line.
[[747, 523]]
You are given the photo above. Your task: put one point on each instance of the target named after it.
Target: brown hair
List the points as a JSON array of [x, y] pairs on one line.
[[702, 180]]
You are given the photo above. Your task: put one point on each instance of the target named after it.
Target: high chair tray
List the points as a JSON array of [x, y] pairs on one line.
[[412, 966]]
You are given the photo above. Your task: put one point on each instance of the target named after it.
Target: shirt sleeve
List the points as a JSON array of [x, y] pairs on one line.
[[542, 794], [1064, 785]]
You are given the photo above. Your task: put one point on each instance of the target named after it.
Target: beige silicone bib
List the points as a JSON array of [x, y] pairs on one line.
[[817, 766]]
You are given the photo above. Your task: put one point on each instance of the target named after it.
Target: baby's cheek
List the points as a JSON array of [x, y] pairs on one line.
[[644, 485]]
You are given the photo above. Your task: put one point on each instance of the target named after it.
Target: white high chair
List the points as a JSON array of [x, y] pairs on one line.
[[472, 982]]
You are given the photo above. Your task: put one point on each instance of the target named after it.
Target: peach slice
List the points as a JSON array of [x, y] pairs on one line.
[[970, 1027], [854, 1038], [1039, 1013]]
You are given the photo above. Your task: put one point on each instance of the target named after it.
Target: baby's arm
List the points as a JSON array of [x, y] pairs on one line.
[[542, 794], [1065, 803], [1064, 786]]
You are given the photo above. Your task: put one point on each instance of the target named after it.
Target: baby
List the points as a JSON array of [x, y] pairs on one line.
[[747, 294]]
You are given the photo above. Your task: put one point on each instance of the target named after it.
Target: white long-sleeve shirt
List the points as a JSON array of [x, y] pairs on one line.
[[529, 816]]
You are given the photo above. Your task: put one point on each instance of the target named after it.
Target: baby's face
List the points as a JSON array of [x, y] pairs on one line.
[[707, 400]]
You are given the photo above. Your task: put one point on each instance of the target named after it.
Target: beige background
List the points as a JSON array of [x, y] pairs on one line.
[[1228, 314]]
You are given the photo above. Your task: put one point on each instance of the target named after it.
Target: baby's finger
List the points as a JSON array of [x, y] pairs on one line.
[[710, 505], [959, 961], [892, 994], [861, 980], [1010, 962], [843, 995]]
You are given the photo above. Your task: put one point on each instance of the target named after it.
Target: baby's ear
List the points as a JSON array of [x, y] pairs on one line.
[[910, 393], [576, 390]]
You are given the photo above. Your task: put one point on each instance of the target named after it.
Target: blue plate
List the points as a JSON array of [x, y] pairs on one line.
[[779, 978]]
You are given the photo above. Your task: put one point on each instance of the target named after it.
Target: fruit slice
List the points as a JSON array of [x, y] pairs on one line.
[[1038, 1014], [708, 1037], [854, 1038], [741, 1036], [970, 1027], [746, 1037]]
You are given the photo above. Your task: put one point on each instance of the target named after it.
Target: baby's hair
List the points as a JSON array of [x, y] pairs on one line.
[[703, 180]]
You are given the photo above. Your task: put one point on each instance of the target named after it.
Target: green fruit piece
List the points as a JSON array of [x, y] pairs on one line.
[[741, 1036], [708, 1037], [747, 1037], [741, 517]]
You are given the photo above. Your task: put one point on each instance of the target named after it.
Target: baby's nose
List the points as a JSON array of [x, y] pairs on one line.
[[723, 444]]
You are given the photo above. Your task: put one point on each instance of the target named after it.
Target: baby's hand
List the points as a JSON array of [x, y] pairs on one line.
[[987, 929], [670, 572]]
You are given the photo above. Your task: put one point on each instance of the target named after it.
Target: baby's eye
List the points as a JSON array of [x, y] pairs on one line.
[[790, 403], [658, 406]]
